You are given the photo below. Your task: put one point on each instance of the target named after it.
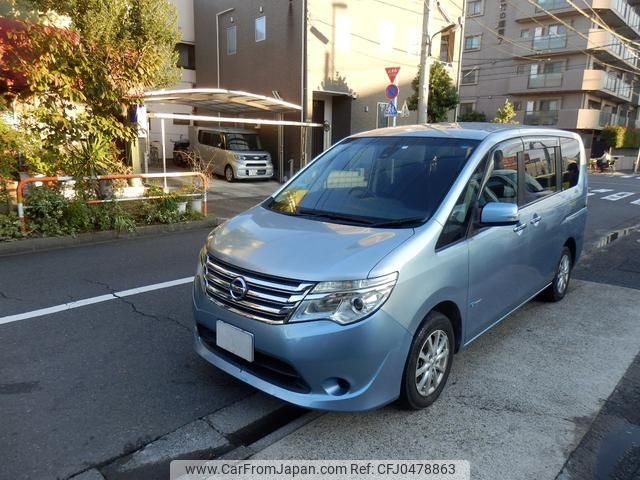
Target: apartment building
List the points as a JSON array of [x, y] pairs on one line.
[[327, 56], [560, 66], [176, 130]]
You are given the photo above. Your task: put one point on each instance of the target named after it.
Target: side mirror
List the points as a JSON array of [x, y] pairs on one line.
[[496, 214]]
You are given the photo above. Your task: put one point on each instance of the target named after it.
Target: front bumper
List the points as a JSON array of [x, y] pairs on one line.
[[318, 364], [253, 172]]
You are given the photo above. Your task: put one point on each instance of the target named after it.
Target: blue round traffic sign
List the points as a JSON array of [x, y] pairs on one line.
[[391, 91]]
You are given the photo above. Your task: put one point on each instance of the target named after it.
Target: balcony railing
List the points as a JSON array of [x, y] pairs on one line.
[[550, 42], [544, 80], [552, 4], [629, 15], [608, 118], [541, 117], [617, 86]]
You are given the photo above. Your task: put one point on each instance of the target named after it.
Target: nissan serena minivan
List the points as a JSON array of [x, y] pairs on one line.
[[354, 284]]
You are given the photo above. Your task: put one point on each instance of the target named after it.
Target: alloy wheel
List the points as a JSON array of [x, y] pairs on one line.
[[432, 362]]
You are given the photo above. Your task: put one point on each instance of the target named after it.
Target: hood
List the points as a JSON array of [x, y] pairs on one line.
[[302, 249]]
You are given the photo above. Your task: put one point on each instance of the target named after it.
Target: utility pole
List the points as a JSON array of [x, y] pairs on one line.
[[425, 57]]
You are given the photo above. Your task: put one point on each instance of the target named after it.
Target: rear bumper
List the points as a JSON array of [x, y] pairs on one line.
[[319, 364]]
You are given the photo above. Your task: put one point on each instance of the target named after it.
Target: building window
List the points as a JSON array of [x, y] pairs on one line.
[[550, 37], [546, 75], [472, 42], [517, 106], [520, 69], [186, 56], [231, 40], [469, 76], [445, 49], [261, 29], [524, 33], [466, 108], [474, 8]]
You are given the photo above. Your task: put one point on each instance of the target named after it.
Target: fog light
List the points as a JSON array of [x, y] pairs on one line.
[[336, 386]]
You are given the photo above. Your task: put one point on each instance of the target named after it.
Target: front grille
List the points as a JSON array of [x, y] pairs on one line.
[[256, 165], [268, 299], [264, 366]]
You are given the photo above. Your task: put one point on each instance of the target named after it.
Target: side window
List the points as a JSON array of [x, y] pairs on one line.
[[570, 149], [216, 140], [540, 177], [203, 137], [502, 185], [456, 227]]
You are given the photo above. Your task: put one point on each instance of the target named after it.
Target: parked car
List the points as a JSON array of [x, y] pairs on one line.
[[355, 283], [235, 153]]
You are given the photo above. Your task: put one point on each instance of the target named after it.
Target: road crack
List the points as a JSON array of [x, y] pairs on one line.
[[134, 307]]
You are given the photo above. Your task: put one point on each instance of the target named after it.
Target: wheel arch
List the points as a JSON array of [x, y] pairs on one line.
[[452, 312]]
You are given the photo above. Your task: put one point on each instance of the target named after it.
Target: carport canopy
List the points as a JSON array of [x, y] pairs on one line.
[[247, 108]]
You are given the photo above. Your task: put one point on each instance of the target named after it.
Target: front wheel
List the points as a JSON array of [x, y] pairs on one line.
[[228, 173], [558, 288], [429, 363]]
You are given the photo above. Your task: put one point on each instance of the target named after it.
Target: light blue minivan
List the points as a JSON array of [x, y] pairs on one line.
[[354, 284]]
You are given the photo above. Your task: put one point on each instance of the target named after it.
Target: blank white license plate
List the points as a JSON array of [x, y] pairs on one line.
[[253, 173], [234, 340]]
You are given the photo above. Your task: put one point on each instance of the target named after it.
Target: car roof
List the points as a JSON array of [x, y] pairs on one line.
[[467, 130]]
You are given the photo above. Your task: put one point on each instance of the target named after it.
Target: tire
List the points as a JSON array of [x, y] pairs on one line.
[[560, 284], [228, 174], [435, 330]]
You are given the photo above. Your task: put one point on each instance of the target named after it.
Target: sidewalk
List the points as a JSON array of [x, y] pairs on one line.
[[518, 401]]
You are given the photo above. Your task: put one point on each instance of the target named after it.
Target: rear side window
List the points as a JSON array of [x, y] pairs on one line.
[[570, 150], [540, 174]]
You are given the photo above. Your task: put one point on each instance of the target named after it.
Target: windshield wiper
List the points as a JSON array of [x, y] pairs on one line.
[[309, 212], [400, 222]]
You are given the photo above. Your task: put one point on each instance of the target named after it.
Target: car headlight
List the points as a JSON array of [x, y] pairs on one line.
[[345, 301], [241, 157]]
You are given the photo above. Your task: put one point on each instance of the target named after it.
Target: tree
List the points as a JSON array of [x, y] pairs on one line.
[[442, 93], [506, 113], [83, 80], [612, 136]]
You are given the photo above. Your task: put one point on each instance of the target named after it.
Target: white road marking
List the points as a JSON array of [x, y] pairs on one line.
[[626, 176], [636, 202], [590, 194], [614, 197], [602, 190], [92, 300]]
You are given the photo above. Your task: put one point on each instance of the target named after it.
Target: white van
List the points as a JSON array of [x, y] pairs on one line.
[[235, 153]]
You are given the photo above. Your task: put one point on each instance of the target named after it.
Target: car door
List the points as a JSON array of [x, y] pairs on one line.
[[498, 265], [541, 208]]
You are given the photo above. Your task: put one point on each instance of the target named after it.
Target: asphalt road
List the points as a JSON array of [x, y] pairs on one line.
[[81, 387]]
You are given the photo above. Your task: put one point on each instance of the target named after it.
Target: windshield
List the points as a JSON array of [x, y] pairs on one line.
[[243, 142], [377, 181]]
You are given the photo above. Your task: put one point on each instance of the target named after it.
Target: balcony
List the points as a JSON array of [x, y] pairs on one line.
[[545, 80], [552, 4], [609, 48], [575, 119], [550, 42], [546, 117], [577, 81], [619, 15]]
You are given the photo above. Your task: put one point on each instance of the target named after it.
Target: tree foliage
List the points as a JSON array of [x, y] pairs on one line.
[[442, 93], [506, 113], [83, 80], [612, 136]]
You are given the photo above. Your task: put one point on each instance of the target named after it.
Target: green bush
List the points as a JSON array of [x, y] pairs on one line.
[[46, 211], [9, 227], [631, 139], [472, 117], [612, 136]]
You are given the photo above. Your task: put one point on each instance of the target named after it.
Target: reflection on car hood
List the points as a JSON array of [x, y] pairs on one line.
[[300, 248]]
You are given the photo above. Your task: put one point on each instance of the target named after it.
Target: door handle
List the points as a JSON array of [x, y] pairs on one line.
[[535, 219], [519, 228]]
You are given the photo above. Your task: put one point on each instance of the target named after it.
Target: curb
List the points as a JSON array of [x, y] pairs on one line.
[[50, 243], [238, 427]]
